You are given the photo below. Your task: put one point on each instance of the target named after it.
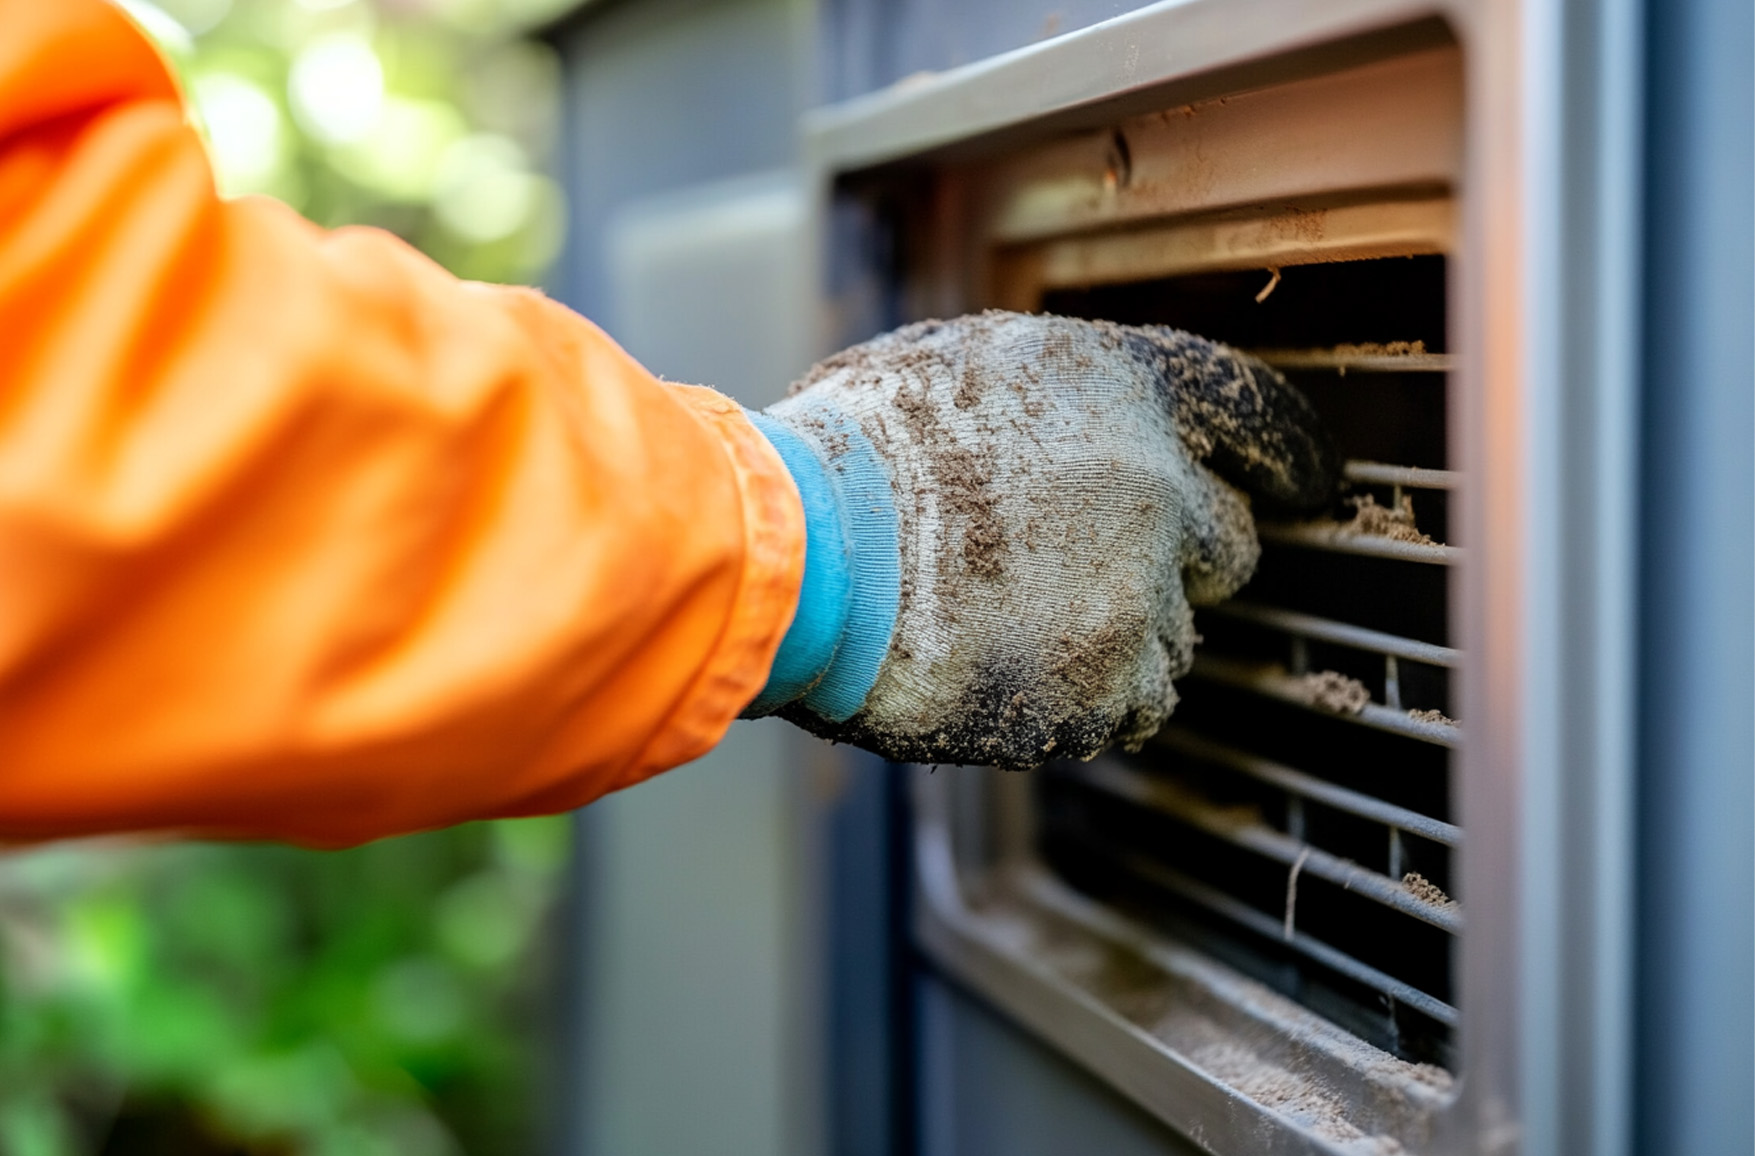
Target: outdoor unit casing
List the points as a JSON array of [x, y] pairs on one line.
[[1300, 919]]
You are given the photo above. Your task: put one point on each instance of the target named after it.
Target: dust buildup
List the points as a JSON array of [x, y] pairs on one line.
[[1289, 1093], [1431, 716], [1332, 691], [1361, 1101], [1425, 890], [1382, 349], [1396, 523], [1055, 522]]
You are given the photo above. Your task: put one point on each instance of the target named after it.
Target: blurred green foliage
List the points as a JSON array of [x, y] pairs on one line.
[[198, 998], [432, 118], [385, 999]]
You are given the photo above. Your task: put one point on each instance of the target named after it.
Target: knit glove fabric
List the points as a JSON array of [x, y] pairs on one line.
[[1010, 518]]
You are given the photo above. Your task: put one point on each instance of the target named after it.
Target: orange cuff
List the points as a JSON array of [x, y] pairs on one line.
[[773, 570]]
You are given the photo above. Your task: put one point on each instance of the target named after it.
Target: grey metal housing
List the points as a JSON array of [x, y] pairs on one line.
[[1603, 299]]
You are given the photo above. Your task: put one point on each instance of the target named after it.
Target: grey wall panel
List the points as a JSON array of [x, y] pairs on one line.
[[711, 285], [869, 1068], [986, 1088], [694, 1029], [667, 93], [701, 1028], [1697, 1017], [689, 938]]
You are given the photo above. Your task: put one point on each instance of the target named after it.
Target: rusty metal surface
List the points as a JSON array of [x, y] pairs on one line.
[[1389, 125], [1276, 238]]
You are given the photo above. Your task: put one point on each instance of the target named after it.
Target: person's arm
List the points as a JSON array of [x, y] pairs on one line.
[[301, 537]]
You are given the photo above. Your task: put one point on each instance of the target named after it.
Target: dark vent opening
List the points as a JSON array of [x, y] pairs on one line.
[[1268, 787], [1398, 299]]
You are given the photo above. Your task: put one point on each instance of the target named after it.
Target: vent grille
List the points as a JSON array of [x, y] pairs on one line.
[[1294, 820]]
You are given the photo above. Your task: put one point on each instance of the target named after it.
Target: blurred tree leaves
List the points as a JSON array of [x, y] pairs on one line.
[[382, 999], [435, 119]]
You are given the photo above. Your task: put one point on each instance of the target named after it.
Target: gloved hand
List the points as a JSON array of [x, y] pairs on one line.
[[1009, 517]]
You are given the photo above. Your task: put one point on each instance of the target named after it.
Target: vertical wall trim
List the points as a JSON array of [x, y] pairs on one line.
[[1697, 746]]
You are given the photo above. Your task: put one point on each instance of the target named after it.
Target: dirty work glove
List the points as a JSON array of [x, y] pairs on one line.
[[1008, 518]]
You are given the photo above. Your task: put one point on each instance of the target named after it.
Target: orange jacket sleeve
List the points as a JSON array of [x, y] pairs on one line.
[[301, 537]]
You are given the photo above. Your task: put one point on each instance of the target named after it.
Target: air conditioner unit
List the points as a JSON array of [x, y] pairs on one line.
[[1447, 847], [1286, 924]]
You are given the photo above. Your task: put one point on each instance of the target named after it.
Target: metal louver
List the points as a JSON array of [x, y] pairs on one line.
[[1294, 819]]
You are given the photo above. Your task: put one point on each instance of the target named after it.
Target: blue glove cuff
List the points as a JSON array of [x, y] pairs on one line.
[[848, 600]]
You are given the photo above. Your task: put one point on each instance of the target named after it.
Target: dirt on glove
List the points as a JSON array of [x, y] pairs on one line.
[[1055, 520]]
